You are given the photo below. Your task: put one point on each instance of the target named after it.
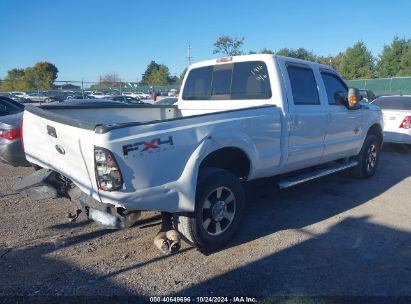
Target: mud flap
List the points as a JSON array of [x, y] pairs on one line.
[[40, 185]]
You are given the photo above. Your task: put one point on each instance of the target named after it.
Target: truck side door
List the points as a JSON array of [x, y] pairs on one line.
[[344, 127], [306, 118]]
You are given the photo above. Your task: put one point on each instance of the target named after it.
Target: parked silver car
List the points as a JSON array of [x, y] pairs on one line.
[[38, 97], [11, 150]]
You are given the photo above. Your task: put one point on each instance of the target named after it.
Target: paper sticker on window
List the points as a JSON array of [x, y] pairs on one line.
[[258, 72]]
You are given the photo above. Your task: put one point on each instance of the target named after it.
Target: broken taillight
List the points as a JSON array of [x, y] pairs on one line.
[[10, 134], [108, 174], [406, 123]]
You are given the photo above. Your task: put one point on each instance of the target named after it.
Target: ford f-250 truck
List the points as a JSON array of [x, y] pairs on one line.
[[238, 119]]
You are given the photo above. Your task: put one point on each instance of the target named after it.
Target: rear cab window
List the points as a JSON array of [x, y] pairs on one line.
[[231, 81]]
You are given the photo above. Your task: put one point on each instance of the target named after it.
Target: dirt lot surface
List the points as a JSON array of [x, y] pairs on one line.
[[333, 236]]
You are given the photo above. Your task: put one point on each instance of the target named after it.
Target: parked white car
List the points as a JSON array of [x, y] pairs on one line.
[[144, 95], [139, 95], [238, 119], [131, 94], [172, 92], [98, 95], [396, 112], [19, 94]]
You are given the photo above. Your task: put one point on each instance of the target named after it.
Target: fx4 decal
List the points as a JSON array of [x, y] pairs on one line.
[[142, 146]]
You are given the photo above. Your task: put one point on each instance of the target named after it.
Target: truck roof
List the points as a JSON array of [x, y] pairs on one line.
[[255, 57]]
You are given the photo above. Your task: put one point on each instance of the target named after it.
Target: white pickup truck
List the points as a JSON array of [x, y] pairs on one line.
[[238, 119]]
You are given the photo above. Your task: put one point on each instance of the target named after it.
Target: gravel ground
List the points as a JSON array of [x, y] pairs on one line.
[[334, 236]]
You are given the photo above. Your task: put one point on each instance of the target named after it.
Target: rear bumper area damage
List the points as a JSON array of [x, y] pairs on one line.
[[46, 184], [106, 215]]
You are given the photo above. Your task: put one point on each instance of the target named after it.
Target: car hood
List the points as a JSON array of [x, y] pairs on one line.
[[369, 106], [11, 121]]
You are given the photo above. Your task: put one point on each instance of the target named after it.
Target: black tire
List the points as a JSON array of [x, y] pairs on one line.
[[368, 158], [219, 207]]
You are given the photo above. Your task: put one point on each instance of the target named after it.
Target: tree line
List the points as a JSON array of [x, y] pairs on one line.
[[41, 76], [155, 75], [356, 62]]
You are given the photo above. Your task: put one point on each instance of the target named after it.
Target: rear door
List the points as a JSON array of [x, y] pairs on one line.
[[307, 117], [62, 144]]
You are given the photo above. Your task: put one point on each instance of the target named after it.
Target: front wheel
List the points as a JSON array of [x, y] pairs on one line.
[[219, 207], [368, 158]]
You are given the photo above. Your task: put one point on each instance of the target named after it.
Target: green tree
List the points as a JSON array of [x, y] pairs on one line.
[[13, 81], [150, 68], [30, 80], [405, 69], [45, 73], [228, 46], [300, 53], [263, 51], [182, 75], [159, 77], [391, 59], [39, 77], [156, 75], [357, 62], [266, 51], [332, 61]]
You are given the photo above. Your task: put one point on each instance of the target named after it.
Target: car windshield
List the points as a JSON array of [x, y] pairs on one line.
[[393, 103]]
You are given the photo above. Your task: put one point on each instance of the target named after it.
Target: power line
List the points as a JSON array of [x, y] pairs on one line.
[[189, 55]]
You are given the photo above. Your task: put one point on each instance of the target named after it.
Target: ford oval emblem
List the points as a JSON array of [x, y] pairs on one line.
[[60, 149]]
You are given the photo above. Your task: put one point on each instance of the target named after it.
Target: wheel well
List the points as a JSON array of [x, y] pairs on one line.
[[231, 159], [377, 131]]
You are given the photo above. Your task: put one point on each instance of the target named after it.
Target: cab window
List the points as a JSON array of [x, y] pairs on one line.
[[234, 81], [303, 85], [337, 91]]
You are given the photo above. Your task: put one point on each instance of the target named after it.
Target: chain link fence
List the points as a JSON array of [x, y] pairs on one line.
[[79, 86], [384, 86], [380, 86]]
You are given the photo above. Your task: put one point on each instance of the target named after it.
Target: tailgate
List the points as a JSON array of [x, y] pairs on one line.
[[62, 144]]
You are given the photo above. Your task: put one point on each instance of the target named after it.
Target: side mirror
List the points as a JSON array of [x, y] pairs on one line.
[[353, 98]]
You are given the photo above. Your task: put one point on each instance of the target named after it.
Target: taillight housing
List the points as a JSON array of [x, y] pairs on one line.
[[10, 134], [108, 174], [406, 123]]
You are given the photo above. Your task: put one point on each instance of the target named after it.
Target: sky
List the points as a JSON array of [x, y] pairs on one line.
[[86, 39]]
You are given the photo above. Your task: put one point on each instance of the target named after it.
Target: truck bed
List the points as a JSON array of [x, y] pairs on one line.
[[88, 117]]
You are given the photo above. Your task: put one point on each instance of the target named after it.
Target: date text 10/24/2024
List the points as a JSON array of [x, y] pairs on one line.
[[203, 299]]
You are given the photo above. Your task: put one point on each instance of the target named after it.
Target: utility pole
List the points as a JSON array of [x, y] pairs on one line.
[[189, 55]]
